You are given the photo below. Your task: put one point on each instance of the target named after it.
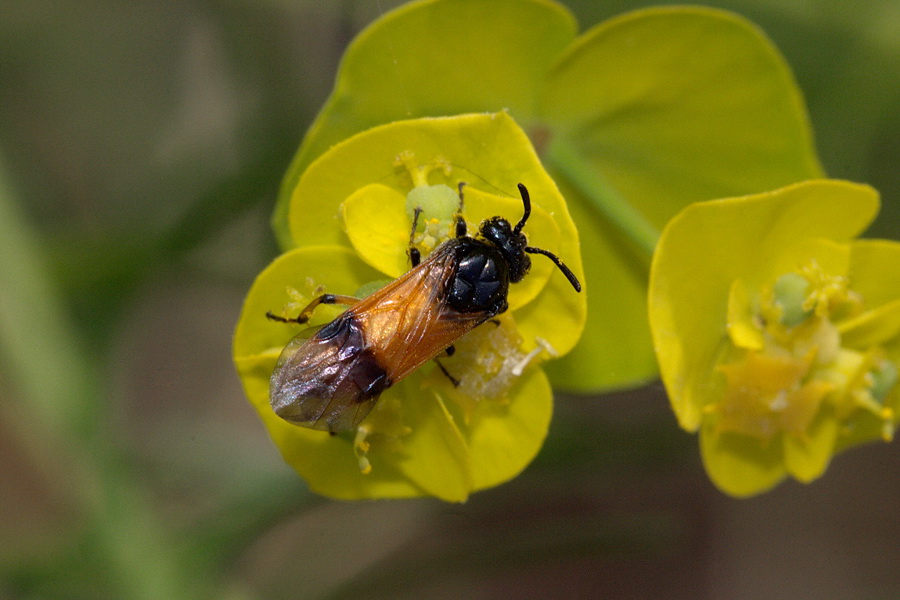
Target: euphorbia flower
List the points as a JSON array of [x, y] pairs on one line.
[[778, 334], [635, 118], [425, 436]]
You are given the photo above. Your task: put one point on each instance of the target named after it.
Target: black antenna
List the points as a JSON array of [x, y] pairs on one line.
[[562, 266], [526, 200]]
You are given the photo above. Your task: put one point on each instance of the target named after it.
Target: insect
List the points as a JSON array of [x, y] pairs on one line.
[[331, 380]]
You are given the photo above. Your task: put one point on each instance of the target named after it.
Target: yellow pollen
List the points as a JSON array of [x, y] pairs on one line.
[[382, 432], [435, 233], [826, 291], [361, 449]]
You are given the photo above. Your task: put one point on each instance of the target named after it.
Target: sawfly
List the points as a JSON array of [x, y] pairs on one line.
[[332, 379]]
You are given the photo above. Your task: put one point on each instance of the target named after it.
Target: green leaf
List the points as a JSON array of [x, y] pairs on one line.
[[874, 265], [378, 227]]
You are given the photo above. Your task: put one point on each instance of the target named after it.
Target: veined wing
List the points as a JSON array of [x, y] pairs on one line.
[[408, 322]]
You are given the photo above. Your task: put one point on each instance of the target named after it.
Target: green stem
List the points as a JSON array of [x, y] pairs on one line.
[[565, 158]]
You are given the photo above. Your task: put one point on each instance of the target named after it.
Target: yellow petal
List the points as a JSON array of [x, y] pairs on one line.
[[807, 457], [376, 223], [740, 465], [504, 437], [434, 455], [872, 327], [742, 329]]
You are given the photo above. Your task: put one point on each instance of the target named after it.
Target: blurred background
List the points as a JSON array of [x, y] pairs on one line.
[[141, 148]]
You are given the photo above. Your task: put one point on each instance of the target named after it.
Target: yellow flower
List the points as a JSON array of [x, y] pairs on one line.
[[350, 222], [634, 118], [778, 335]]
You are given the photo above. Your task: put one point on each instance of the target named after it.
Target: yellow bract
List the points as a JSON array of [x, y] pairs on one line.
[[769, 345], [659, 107], [351, 230]]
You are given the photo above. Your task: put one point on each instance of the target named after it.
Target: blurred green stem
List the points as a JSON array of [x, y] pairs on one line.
[[61, 418], [103, 280], [564, 157]]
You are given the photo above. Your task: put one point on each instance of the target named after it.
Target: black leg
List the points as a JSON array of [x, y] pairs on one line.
[[461, 229], [415, 257], [460, 221], [452, 379]]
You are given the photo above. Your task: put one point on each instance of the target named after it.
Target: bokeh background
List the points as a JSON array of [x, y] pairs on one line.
[[141, 147]]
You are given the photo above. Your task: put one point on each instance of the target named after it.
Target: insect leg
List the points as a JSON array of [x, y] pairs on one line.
[[307, 312], [415, 257], [460, 222], [452, 379]]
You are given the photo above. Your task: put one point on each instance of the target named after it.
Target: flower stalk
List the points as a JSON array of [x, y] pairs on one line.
[[562, 156]]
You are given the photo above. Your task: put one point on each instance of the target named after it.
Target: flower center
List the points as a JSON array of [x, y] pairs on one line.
[[786, 362], [432, 206]]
